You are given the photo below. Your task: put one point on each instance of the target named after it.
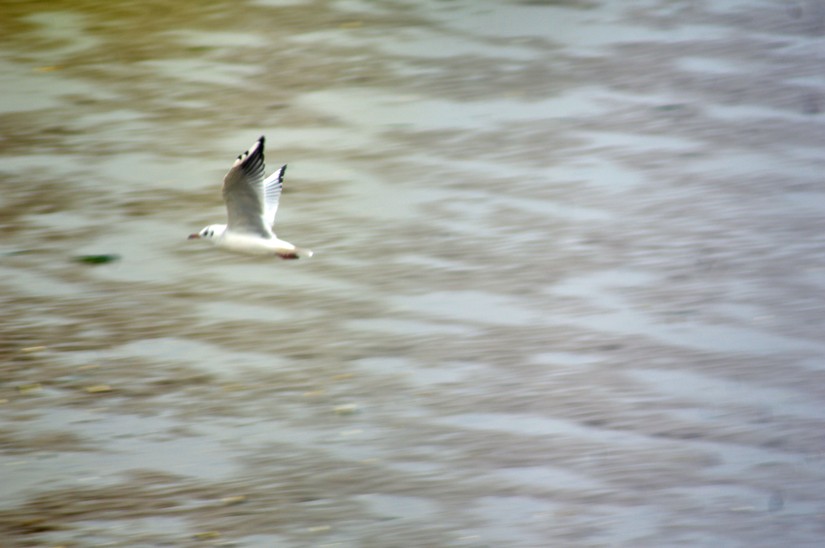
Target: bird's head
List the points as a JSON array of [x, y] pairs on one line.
[[208, 232]]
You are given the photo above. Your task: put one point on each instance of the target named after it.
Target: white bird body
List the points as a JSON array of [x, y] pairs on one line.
[[253, 245], [251, 205]]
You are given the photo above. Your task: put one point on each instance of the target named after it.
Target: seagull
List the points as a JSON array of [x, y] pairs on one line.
[[251, 204]]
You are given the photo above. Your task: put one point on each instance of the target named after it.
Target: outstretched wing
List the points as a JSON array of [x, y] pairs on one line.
[[243, 192], [272, 194]]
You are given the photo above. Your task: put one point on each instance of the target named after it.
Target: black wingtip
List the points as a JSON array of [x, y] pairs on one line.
[[261, 139]]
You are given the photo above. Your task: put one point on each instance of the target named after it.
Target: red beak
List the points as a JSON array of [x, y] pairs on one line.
[[194, 237]]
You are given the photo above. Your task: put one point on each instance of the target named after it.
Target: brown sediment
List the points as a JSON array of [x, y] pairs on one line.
[[567, 288]]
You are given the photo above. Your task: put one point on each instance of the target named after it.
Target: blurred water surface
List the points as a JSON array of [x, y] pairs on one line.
[[567, 288]]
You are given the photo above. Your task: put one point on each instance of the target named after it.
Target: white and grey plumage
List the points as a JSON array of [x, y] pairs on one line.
[[251, 204]]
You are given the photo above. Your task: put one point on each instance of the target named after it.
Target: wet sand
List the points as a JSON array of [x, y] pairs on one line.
[[567, 288]]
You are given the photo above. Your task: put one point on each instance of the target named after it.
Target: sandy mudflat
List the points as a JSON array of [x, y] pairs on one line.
[[567, 290]]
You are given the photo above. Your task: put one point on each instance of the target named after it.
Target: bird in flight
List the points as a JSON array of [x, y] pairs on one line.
[[251, 204]]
